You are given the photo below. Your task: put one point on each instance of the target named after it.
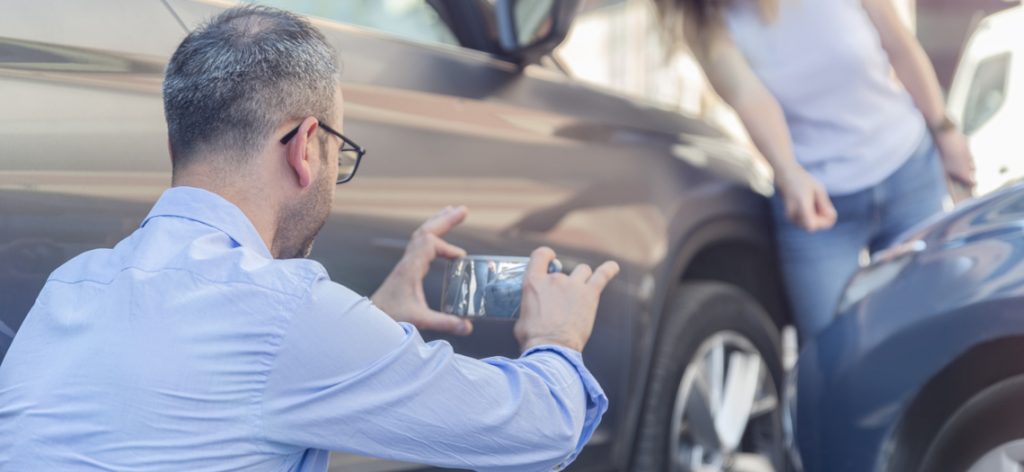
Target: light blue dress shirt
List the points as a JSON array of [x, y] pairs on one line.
[[188, 347]]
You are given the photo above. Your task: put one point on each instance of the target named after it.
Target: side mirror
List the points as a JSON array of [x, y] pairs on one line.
[[530, 29]]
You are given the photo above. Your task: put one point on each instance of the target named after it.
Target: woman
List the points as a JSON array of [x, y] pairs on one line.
[[859, 157]]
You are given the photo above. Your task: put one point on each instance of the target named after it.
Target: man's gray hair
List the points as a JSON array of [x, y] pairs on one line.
[[236, 78]]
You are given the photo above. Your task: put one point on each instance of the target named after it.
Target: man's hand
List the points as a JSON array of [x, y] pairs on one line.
[[557, 308], [401, 294], [807, 203]]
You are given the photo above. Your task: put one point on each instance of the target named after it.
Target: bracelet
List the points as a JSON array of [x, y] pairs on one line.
[[942, 126]]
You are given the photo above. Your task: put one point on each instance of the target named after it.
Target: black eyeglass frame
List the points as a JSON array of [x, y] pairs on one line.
[[360, 151]]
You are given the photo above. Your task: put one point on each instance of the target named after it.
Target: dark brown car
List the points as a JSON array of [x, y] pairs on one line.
[[686, 342]]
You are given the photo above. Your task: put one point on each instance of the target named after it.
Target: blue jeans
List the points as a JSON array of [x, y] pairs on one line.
[[817, 266]]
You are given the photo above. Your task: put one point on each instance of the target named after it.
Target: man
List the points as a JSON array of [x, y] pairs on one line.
[[206, 341]]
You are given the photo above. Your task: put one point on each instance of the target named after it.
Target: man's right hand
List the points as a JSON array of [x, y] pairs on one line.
[[807, 202], [560, 309]]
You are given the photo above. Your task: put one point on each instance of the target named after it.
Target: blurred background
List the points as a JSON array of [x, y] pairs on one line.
[[615, 43]]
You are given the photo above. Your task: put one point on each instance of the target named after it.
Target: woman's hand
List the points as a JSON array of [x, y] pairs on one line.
[[807, 203], [956, 157]]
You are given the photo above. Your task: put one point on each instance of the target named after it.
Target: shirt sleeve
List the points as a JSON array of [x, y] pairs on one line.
[[348, 378]]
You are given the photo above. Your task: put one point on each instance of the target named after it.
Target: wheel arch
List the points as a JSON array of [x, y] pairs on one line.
[[748, 265], [958, 382], [737, 250]]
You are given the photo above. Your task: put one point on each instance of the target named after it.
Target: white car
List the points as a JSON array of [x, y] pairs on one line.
[[987, 98]]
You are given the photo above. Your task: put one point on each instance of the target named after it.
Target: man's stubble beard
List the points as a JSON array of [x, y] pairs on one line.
[[298, 224]]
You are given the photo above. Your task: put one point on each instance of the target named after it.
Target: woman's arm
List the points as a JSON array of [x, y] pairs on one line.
[[807, 202], [915, 71]]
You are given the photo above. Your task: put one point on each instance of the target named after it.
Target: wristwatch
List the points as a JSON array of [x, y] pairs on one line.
[[942, 126]]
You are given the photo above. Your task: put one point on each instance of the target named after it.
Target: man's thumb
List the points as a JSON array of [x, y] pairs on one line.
[[443, 322]]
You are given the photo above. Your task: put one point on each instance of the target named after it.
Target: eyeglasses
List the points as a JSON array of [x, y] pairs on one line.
[[349, 154]]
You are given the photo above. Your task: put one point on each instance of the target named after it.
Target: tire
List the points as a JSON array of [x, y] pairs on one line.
[[989, 424], [700, 315]]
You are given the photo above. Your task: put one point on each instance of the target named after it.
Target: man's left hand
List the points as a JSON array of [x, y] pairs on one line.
[[401, 294]]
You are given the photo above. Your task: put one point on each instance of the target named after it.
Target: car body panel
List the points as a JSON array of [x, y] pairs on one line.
[[963, 288]]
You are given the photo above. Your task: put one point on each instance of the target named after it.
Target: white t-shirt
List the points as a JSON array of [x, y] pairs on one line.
[[852, 123]]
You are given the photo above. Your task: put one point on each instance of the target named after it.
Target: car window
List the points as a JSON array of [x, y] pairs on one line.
[[987, 91], [532, 20], [415, 20]]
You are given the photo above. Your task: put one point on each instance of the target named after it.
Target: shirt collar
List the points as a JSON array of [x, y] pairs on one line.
[[209, 209]]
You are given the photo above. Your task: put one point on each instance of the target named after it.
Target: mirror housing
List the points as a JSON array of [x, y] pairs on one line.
[[531, 29]]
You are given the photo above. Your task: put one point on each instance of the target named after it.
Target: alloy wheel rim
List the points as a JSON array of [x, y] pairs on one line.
[[725, 389], [1007, 457]]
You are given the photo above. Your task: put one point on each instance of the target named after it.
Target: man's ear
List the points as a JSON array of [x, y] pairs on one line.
[[299, 152]]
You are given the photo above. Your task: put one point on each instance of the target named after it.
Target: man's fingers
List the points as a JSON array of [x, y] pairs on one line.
[[604, 273], [447, 250], [443, 322], [539, 260], [581, 273], [441, 223]]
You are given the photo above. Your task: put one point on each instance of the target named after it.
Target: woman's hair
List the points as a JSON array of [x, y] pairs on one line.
[[699, 19]]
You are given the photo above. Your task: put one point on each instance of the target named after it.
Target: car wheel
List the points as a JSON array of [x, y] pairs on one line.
[[712, 401], [984, 435]]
